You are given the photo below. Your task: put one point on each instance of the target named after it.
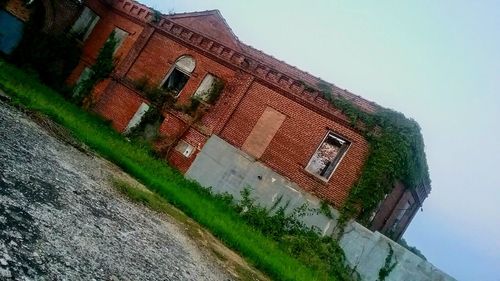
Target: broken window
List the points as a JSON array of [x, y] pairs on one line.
[[327, 156], [185, 148], [137, 118], [175, 81], [84, 24], [86, 73], [120, 36], [179, 75], [209, 89]]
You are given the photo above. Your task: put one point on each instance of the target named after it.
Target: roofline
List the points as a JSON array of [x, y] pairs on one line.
[[335, 89], [148, 12]]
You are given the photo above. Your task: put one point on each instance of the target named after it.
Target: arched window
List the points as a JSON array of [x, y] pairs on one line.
[[179, 75]]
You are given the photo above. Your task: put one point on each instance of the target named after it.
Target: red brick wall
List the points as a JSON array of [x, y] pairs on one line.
[[295, 142], [95, 41], [119, 105], [155, 61], [211, 26], [194, 138], [232, 117], [159, 56], [172, 126]]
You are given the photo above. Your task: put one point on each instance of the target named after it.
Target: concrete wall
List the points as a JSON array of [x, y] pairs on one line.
[[227, 169]]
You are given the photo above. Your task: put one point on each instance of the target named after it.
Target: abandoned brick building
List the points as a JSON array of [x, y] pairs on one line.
[[218, 87]]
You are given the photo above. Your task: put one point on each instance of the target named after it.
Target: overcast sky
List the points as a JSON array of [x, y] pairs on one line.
[[437, 62]]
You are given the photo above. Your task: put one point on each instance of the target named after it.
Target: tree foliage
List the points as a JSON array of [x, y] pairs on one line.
[[52, 56]]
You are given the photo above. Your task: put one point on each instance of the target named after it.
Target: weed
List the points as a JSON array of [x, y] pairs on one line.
[[324, 208]]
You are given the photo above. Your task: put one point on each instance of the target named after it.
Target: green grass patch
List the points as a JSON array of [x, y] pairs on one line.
[[213, 212], [155, 202]]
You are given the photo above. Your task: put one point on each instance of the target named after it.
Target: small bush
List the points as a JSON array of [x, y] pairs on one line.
[[298, 240]]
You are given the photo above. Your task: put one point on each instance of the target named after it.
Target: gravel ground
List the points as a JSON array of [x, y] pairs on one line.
[[60, 218]]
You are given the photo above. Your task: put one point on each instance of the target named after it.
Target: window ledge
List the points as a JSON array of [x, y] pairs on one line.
[[317, 179]]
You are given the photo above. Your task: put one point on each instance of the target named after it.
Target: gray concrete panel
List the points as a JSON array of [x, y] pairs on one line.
[[227, 169]]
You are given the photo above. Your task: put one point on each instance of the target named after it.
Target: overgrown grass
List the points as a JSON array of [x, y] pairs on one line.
[[215, 213]]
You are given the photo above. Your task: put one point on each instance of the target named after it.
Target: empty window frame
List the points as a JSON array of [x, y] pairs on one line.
[[120, 36], [84, 25], [185, 148], [327, 156], [204, 90], [86, 73], [179, 75]]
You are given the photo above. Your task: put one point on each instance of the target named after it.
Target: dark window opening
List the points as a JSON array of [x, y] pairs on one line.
[[175, 81]]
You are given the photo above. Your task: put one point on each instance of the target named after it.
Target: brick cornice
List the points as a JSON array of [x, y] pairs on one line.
[[297, 90]]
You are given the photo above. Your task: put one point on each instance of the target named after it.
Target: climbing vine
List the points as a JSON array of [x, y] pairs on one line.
[[324, 209], [388, 265], [99, 71], [214, 91], [156, 16], [396, 153]]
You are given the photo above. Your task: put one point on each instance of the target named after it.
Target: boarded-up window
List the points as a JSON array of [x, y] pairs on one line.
[[84, 24], [327, 156], [263, 132], [185, 148]]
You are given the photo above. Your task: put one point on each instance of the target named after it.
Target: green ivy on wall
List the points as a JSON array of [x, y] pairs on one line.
[[99, 71], [396, 153]]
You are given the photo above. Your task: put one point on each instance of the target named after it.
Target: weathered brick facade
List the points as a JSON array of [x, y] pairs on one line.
[[254, 83], [18, 9]]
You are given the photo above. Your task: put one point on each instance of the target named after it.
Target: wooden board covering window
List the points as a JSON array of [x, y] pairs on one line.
[[263, 132]]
